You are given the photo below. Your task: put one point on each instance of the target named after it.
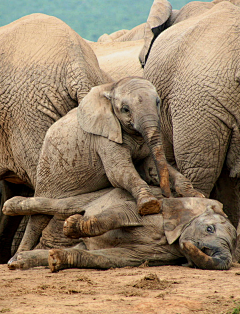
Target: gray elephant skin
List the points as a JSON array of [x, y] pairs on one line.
[[112, 233], [194, 66], [94, 146], [46, 69]]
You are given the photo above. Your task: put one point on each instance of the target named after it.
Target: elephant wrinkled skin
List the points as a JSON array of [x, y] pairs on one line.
[[98, 145], [194, 66], [46, 69], [193, 230], [94, 146]]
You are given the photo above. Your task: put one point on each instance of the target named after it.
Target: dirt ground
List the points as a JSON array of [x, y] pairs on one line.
[[160, 290]]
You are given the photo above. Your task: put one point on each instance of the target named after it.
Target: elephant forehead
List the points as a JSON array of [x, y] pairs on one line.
[[130, 85], [179, 211]]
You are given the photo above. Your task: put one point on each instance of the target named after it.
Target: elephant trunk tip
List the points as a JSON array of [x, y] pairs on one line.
[[204, 261], [164, 182]]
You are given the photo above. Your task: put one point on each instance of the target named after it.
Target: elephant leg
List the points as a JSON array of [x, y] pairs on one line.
[[34, 229], [34, 258], [100, 259], [181, 185], [28, 259], [113, 217], [200, 147], [49, 206], [9, 225]]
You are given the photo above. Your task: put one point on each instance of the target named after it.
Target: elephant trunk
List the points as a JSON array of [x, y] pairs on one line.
[[219, 261], [150, 129]]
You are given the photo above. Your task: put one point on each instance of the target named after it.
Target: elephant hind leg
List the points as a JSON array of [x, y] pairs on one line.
[[29, 259], [99, 259]]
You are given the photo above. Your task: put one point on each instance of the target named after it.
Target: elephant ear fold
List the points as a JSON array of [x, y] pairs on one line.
[[95, 114], [178, 212], [159, 14]]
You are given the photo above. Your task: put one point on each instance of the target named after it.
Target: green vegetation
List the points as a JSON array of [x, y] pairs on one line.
[[90, 18]]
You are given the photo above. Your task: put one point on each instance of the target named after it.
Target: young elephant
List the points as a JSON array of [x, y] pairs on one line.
[[194, 228], [114, 235]]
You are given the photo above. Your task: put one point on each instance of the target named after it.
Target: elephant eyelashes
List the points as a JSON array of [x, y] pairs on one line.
[[125, 109], [210, 229]]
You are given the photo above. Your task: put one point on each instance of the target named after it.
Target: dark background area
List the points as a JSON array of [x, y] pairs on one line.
[[89, 18]]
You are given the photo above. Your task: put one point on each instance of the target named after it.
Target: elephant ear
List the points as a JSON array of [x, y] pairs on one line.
[[178, 212], [95, 114], [159, 14]]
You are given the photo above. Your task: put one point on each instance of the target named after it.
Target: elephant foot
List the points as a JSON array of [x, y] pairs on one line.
[[148, 205], [14, 262], [77, 226], [57, 260], [185, 189], [13, 206], [28, 259]]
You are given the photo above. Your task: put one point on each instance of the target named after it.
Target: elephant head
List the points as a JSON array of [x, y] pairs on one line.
[[206, 237], [132, 105]]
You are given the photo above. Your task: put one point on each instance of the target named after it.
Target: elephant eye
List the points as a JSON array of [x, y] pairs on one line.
[[157, 102], [125, 109], [210, 229]]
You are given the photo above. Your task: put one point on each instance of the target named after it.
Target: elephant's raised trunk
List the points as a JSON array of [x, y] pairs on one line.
[[220, 261], [150, 129]]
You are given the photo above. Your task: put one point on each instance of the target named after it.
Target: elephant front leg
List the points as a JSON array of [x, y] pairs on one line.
[[147, 203], [122, 216], [99, 259], [181, 185], [121, 173]]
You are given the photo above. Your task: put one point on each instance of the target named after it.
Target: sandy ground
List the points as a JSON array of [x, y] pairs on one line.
[[160, 290]]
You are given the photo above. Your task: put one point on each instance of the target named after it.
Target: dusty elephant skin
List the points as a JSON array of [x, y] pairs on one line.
[[197, 79], [193, 230], [46, 69], [94, 146]]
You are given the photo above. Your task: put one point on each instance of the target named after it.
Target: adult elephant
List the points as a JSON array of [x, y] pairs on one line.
[[119, 59], [195, 68], [161, 17], [46, 69]]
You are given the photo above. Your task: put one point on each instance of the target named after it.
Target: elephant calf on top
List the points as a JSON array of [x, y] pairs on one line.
[[113, 234]]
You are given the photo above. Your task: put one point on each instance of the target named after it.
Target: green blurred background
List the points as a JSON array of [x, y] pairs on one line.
[[89, 18]]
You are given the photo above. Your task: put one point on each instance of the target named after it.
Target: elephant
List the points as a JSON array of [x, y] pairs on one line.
[[194, 67], [188, 230], [46, 69], [161, 17], [123, 35], [119, 59], [97, 145]]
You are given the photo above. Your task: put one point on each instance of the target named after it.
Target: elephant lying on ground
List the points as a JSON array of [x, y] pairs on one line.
[[97, 144], [193, 230], [46, 68], [195, 67]]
